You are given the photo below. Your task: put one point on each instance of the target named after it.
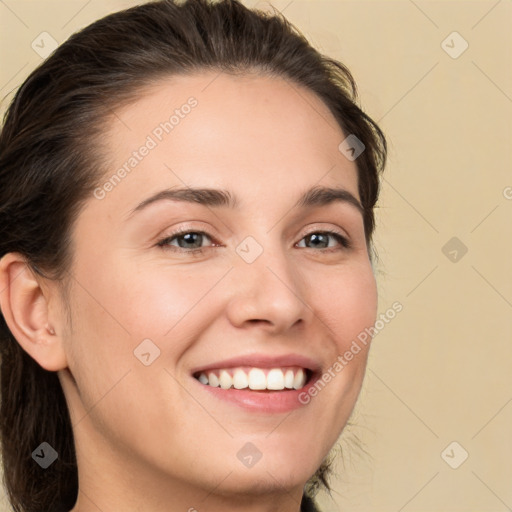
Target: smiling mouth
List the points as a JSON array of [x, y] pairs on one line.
[[256, 379]]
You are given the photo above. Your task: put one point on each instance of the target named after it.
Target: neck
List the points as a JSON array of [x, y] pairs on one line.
[[108, 482]]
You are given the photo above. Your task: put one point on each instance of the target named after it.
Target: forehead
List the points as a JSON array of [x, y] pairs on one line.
[[251, 133]]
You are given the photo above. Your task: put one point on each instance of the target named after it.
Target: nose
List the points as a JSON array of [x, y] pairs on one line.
[[268, 292]]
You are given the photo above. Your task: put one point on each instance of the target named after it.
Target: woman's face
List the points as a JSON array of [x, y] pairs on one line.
[[269, 290]]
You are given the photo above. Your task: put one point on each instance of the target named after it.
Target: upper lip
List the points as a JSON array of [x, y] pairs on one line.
[[262, 361]]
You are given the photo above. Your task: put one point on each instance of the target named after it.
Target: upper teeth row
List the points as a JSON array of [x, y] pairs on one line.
[[255, 378]]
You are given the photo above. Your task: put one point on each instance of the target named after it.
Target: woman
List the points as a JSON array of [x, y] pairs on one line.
[[186, 202]]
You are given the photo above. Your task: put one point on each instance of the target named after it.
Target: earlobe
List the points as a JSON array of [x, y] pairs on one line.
[[25, 308]]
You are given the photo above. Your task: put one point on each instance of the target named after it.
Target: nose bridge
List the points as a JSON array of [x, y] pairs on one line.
[[266, 285]]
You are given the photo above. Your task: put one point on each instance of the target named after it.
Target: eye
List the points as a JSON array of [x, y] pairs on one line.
[[191, 241], [320, 238], [188, 241]]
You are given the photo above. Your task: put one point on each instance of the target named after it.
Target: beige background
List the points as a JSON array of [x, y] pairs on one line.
[[441, 370]]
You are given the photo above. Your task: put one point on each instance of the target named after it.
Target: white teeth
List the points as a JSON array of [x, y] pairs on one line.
[[275, 379], [225, 380], [257, 379], [213, 380], [240, 380], [299, 380], [288, 379]]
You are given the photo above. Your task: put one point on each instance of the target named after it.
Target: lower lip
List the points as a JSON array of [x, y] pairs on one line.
[[271, 402]]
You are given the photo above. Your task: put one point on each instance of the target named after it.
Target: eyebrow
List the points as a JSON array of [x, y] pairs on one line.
[[217, 198]]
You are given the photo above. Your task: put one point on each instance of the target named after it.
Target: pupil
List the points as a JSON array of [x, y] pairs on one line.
[[314, 237], [188, 235]]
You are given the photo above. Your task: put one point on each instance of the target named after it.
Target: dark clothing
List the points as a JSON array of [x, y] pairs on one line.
[[308, 505]]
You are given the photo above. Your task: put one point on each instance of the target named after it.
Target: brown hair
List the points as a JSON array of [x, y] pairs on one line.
[[49, 167]]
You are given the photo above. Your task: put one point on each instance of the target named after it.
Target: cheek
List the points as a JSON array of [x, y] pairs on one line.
[[153, 299], [110, 320], [346, 301], [346, 304]]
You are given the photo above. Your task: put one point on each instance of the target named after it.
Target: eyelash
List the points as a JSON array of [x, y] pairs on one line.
[[163, 242]]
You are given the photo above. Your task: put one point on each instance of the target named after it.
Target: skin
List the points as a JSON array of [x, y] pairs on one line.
[[147, 437]]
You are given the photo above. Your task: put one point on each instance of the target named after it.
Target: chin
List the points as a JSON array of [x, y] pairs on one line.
[[264, 481]]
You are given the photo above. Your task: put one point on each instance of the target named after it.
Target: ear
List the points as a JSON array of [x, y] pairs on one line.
[[25, 302]]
